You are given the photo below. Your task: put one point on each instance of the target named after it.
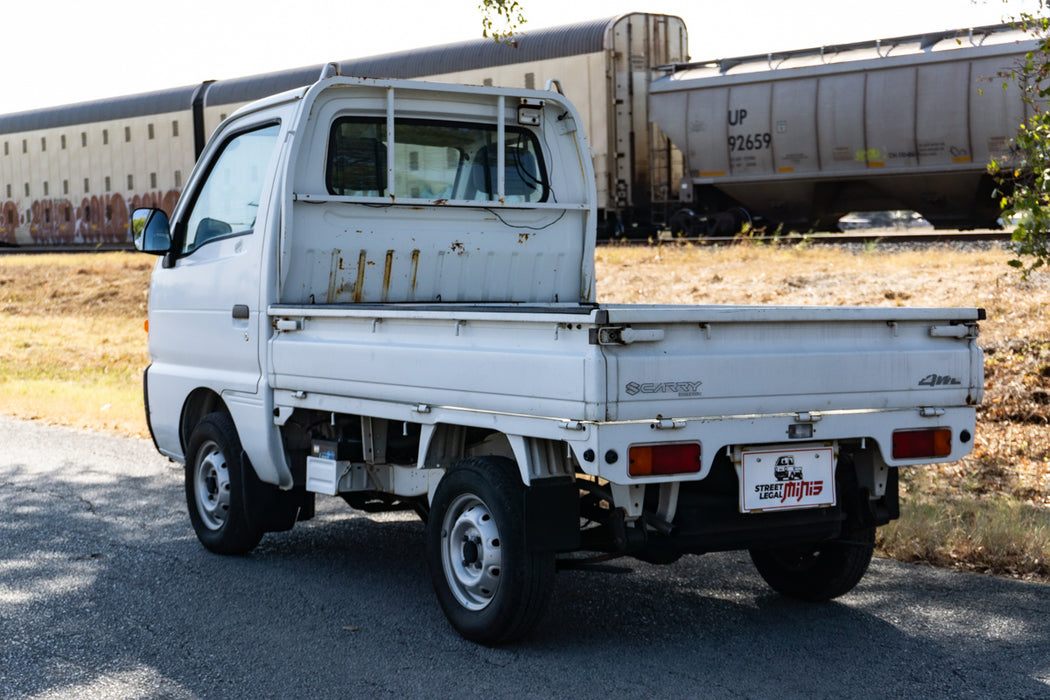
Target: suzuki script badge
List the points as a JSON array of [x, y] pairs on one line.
[[682, 389]]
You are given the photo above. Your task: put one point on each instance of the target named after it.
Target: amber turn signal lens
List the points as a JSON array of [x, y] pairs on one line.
[[658, 460], [145, 325], [916, 444]]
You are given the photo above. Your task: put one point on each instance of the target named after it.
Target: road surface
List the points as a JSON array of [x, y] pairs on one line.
[[106, 593]]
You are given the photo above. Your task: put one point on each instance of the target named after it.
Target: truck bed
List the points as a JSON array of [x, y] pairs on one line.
[[705, 369]]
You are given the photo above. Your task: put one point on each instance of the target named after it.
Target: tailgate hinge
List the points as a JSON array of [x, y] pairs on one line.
[[621, 335]]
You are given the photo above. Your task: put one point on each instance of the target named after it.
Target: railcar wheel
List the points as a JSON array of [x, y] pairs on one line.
[[491, 588], [817, 572], [214, 487]]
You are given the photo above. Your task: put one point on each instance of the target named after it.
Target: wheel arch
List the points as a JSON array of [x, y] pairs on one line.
[[441, 445], [199, 403]]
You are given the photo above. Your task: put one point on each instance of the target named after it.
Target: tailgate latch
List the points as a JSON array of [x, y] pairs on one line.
[[962, 330], [288, 324]]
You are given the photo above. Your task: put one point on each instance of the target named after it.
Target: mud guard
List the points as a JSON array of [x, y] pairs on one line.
[[552, 515], [268, 507]]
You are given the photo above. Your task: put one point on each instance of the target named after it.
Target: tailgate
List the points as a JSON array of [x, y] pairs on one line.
[[679, 362]]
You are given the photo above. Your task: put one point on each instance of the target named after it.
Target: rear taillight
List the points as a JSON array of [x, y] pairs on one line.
[[915, 444], [657, 460]]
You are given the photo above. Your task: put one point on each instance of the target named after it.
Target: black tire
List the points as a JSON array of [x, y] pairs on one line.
[[817, 572], [215, 487], [491, 588]]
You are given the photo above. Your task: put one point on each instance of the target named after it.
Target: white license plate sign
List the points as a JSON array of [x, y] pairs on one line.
[[787, 478]]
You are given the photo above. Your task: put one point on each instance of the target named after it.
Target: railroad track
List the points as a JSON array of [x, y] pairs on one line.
[[8, 249], [875, 238], [880, 237]]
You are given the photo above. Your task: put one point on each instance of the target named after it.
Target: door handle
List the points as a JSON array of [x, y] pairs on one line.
[[240, 311]]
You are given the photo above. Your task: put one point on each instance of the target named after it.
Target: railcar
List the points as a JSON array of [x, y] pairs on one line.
[[69, 175], [805, 137]]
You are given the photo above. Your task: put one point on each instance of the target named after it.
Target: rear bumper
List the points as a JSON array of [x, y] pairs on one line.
[[604, 450]]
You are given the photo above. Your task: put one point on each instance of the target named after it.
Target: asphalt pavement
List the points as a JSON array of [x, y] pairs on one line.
[[106, 593]]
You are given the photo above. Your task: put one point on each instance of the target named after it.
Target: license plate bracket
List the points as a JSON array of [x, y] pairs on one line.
[[787, 478]]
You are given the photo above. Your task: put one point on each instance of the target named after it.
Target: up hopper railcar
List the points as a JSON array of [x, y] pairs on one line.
[[699, 147], [805, 137]]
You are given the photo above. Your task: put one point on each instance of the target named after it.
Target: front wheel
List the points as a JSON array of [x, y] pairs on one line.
[[817, 572], [215, 495], [491, 588]]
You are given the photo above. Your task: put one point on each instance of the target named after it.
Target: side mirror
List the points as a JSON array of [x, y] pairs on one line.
[[151, 231]]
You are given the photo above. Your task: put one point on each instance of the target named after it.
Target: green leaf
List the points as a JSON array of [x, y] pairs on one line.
[[1023, 177]]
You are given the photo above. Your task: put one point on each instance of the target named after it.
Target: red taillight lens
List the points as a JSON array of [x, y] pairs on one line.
[[914, 444], [656, 460]]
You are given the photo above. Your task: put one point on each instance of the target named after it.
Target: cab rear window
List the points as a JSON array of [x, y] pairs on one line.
[[433, 160]]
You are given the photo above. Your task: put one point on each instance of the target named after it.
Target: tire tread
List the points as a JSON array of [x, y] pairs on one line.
[[511, 620], [236, 536], [840, 566]]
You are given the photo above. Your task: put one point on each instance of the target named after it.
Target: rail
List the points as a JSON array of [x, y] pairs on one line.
[[868, 238]]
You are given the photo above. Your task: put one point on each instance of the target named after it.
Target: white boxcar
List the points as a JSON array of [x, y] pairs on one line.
[[385, 291], [70, 175]]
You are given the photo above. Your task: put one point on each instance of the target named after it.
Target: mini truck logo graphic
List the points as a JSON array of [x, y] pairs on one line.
[[786, 469]]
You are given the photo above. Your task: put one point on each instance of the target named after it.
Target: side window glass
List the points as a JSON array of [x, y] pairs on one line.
[[357, 159], [228, 202]]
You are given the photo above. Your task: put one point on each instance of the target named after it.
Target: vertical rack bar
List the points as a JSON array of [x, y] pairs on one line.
[[390, 142], [502, 157]]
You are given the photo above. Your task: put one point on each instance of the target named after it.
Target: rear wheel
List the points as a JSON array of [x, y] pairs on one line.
[[214, 487], [491, 588], [817, 572]]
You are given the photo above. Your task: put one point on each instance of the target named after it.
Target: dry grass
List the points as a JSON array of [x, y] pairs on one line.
[[72, 351], [997, 535], [73, 347]]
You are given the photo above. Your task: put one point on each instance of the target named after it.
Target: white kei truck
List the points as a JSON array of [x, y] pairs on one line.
[[384, 290]]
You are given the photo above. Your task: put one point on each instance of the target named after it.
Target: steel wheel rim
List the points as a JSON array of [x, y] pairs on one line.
[[471, 552], [211, 484]]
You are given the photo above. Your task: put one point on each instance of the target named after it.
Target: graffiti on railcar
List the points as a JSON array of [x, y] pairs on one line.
[[8, 222], [97, 219]]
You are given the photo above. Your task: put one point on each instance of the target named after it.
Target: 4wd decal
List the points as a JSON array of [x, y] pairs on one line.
[[939, 380], [682, 389]]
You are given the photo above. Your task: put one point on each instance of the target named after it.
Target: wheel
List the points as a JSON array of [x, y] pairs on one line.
[[685, 222], [214, 487], [817, 572], [491, 588]]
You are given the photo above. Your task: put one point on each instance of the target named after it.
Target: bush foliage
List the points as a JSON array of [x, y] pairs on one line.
[[1024, 177]]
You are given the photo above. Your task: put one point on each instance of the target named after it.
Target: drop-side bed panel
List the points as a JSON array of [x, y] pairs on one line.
[[719, 361]]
